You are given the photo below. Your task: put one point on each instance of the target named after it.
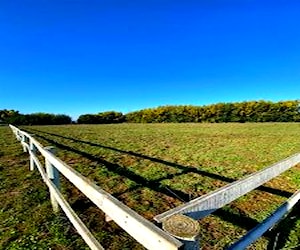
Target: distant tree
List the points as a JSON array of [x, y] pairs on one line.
[[14, 117], [110, 117], [101, 118], [87, 119], [6, 115], [62, 119], [253, 111]]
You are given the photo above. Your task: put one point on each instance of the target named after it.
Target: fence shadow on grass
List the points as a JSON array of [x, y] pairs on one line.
[[184, 169], [120, 170], [279, 235], [238, 219]]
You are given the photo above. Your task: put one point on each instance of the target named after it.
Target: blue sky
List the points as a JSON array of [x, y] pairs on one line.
[[83, 56]]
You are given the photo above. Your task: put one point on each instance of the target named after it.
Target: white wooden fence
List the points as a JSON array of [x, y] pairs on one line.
[[146, 233], [183, 217]]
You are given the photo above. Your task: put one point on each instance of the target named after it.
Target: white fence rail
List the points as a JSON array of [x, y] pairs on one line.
[[146, 233], [138, 227], [206, 204]]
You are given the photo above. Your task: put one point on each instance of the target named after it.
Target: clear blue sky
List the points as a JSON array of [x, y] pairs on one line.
[[82, 56]]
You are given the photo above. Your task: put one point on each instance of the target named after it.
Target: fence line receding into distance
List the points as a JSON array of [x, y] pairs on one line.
[[146, 233]]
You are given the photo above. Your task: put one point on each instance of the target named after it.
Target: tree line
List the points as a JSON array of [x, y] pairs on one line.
[[14, 117], [102, 118], [251, 111]]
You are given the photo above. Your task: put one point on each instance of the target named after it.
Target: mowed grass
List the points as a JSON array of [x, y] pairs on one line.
[[155, 167]]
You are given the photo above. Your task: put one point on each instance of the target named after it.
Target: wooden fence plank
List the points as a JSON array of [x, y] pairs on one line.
[[73, 217], [206, 204], [137, 226], [142, 230], [33, 151], [146, 233], [53, 175]]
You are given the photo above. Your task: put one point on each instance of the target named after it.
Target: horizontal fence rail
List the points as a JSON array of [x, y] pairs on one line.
[[78, 224], [146, 233], [206, 204]]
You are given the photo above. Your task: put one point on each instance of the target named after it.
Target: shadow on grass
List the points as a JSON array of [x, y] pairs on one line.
[[184, 169], [120, 170], [242, 221], [238, 219], [280, 234]]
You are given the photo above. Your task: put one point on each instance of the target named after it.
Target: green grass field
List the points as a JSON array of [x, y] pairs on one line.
[[26, 218], [152, 168]]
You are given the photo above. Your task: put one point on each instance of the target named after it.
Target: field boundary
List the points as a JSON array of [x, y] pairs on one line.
[[206, 204], [145, 232], [149, 235]]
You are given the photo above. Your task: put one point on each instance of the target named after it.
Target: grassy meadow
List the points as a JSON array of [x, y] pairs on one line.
[[152, 168], [26, 218]]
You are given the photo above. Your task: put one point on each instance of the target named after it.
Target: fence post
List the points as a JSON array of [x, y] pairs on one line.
[[185, 229], [53, 175], [23, 138], [33, 151], [20, 135], [17, 133]]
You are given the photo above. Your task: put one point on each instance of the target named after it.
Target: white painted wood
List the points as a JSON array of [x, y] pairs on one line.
[[53, 175], [25, 146], [15, 131], [23, 142], [138, 227], [206, 204], [33, 151], [142, 230], [20, 136], [261, 228], [73, 217], [107, 218]]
